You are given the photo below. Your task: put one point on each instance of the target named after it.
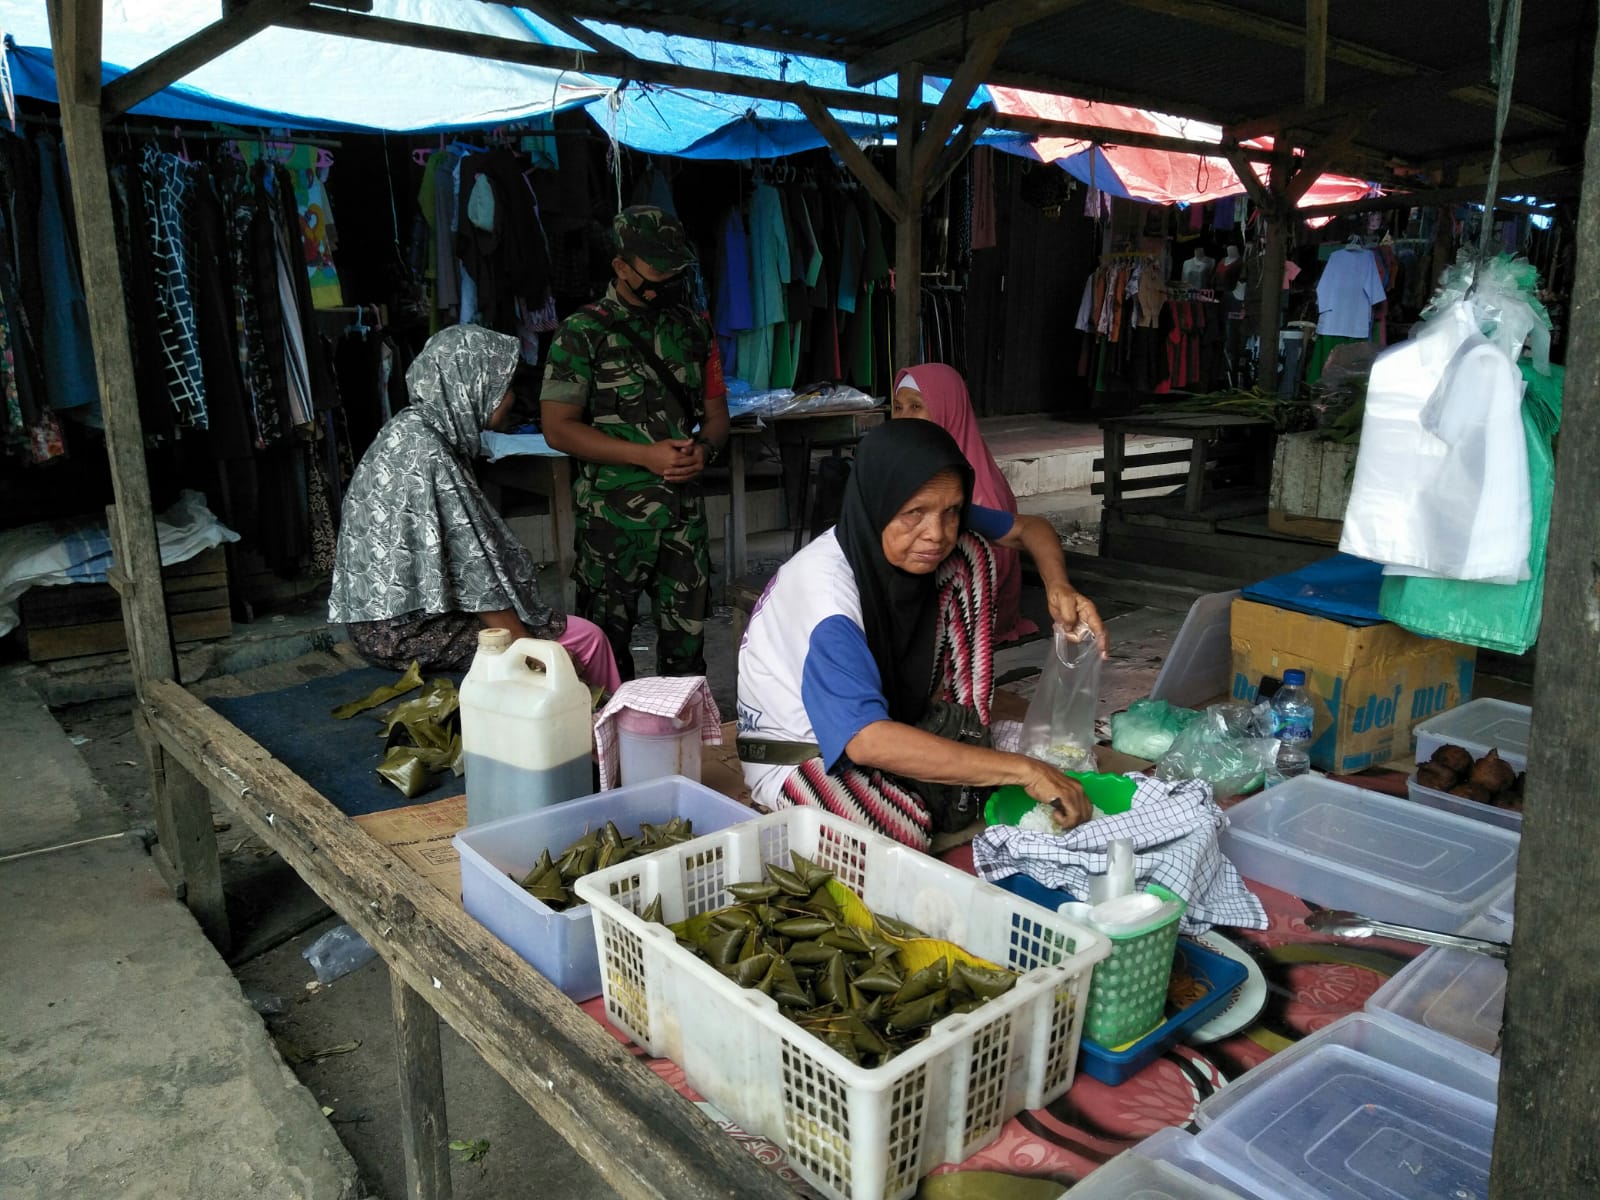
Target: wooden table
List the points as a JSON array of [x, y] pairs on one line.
[[1204, 431], [797, 435], [550, 476]]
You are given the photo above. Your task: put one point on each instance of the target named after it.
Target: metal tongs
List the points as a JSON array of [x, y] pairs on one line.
[[1340, 923]]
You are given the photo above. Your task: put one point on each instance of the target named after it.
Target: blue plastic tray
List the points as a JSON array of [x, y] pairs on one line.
[[1218, 972]]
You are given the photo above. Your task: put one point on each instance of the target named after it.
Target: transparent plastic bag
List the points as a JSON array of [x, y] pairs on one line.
[[1148, 727], [1222, 748], [1059, 726]]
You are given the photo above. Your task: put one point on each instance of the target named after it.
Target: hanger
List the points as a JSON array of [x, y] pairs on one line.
[[421, 154]]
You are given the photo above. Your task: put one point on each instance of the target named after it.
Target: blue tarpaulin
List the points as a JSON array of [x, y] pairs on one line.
[[1341, 588], [293, 79]]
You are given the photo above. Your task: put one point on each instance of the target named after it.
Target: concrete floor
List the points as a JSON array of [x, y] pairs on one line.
[[132, 1064]]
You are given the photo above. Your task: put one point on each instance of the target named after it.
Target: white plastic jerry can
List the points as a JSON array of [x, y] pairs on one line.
[[526, 737]]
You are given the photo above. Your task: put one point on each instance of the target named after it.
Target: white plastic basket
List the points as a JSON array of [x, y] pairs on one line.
[[855, 1133]]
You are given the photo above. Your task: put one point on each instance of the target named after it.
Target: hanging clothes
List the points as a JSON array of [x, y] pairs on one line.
[[770, 266], [66, 351], [167, 187]]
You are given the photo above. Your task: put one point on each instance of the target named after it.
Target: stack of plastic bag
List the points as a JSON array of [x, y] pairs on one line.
[[1442, 489]]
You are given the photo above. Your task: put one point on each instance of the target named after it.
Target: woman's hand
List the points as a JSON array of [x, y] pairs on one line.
[[1070, 608], [1063, 794]]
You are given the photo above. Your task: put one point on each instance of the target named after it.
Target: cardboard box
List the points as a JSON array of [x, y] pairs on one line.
[[1372, 683]]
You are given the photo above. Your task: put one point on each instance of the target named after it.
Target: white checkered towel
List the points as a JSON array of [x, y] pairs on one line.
[[661, 696], [1173, 827]]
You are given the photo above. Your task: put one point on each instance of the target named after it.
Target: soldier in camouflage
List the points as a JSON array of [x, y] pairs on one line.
[[633, 390]]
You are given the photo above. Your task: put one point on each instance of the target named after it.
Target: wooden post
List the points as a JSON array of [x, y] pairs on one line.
[[1550, 1070], [75, 33], [908, 229], [1276, 251], [1316, 52], [422, 1109]]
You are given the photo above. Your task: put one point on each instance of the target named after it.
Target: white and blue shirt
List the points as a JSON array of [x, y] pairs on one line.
[[806, 673]]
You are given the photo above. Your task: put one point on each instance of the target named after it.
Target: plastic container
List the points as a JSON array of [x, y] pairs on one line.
[[1361, 1109], [652, 747], [1129, 991], [1479, 726], [865, 1134], [1216, 973], [1199, 667], [1293, 714], [1379, 855], [1185, 1151], [1131, 1176], [526, 738], [1454, 993], [1111, 794], [560, 945], [1503, 818]]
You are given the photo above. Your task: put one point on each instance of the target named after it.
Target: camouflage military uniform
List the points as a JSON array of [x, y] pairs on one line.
[[634, 529]]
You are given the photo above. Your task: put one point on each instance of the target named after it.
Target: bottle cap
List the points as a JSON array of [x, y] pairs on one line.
[[1294, 678], [494, 641]]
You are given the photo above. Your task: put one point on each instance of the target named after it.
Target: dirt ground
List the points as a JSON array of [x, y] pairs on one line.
[[338, 1037]]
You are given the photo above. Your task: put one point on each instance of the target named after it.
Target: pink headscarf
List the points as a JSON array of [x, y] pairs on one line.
[[944, 393]]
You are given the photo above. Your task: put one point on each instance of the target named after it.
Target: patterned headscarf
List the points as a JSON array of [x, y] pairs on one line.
[[418, 534]]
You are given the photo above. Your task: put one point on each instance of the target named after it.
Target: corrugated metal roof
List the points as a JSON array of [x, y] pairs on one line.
[[1225, 60]]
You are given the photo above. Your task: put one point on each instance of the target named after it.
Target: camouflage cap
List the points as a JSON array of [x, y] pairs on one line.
[[653, 236]]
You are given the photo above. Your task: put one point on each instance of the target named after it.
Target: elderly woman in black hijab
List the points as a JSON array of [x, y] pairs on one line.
[[866, 674], [424, 562]]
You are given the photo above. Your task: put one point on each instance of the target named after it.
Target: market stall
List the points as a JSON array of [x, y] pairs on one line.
[[642, 1140]]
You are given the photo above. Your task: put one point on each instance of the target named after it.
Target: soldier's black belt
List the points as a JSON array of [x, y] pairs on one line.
[[775, 753]]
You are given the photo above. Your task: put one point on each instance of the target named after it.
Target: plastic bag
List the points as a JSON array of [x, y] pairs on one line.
[[1147, 729], [337, 953], [1059, 726], [1223, 749]]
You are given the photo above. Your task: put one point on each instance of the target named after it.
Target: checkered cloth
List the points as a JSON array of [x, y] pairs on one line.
[[1173, 827], [661, 696]]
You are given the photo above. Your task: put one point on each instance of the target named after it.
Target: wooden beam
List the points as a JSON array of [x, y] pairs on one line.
[[194, 52], [1254, 188], [1550, 187], [952, 106], [1275, 251], [930, 41], [76, 35], [1105, 135], [537, 54], [1316, 51], [423, 1126], [132, 525], [641, 1137], [908, 230], [854, 158], [184, 825], [569, 25], [1261, 28], [1317, 160], [960, 146], [1550, 1063]]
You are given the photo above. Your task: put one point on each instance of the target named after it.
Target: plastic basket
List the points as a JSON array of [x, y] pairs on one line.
[[854, 1133], [1129, 992], [560, 945]]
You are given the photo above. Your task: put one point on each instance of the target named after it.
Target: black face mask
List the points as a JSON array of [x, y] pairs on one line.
[[656, 295]]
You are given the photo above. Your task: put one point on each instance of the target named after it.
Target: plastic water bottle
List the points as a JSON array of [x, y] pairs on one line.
[[1292, 714]]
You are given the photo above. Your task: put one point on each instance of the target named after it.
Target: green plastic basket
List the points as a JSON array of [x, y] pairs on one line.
[[1128, 993], [1111, 794]]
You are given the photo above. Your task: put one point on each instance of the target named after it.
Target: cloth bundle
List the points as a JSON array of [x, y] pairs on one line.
[[665, 696], [1173, 827]]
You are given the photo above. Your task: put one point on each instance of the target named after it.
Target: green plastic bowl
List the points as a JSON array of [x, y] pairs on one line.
[[1111, 794]]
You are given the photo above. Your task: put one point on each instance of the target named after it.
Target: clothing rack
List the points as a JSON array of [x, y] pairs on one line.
[[178, 132]]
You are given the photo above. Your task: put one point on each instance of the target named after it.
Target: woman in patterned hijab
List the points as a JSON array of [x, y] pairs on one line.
[[424, 561]]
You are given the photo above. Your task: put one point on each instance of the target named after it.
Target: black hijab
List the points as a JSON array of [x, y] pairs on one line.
[[899, 610]]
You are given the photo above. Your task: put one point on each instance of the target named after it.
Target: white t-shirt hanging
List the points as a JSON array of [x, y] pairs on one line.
[[1349, 287]]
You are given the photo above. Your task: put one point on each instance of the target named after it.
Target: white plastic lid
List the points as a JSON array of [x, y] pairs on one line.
[[494, 641]]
